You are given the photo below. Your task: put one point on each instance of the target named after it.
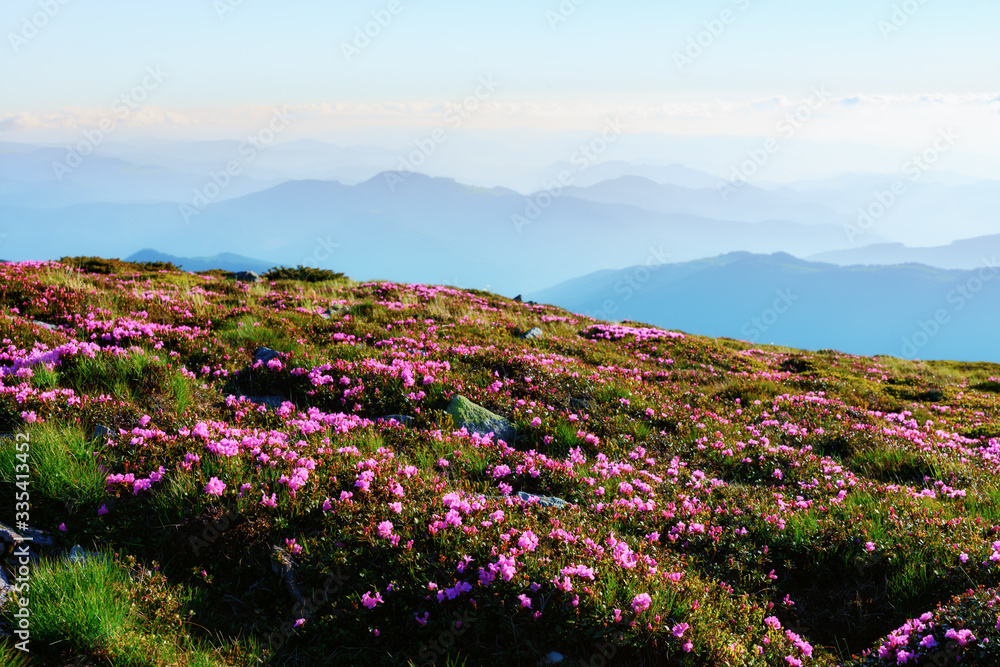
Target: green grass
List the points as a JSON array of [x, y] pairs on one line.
[[105, 611], [61, 463]]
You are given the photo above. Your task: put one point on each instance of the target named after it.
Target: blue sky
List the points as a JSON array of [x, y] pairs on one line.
[[267, 52]]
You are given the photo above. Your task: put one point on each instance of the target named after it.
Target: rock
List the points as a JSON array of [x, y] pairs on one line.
[[477, 419], [518, 298], [283, 565], [79, 555], [46, 325], [265, 354], [579, 403], [533, 333], [101, 432], [544, 501], [267, 401], [403, 420], [553, 658], [5, 588], [336, 311], [247, 277]]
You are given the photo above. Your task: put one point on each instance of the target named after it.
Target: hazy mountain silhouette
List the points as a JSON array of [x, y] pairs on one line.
[[908, 310]]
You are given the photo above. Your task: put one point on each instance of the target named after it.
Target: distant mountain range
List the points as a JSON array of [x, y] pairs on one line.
[[226, 261], [410, 228], [964, 254], [910, 311]]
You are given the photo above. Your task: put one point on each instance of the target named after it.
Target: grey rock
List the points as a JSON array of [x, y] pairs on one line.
[[46, 325], [79, 555], [101, 432], [402, 419], [553, 658], [544, 501], [247, 277], [533, 333], [579, 403], [265, 354], [267, 401], [518, 299], [477, 419], [336, 311]]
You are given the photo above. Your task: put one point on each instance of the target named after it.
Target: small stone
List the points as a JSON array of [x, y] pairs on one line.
[[267, 401], [402, 420], [265, 354], [518, 299], [101, 432], [247, 277], [554, 658], [336, 311], [79, 555], [533, 333], [544, 501]]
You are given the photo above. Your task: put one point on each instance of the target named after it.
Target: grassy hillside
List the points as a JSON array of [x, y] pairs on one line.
[[727, 504]]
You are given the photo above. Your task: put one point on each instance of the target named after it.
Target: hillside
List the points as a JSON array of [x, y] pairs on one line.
[[212, 482], [910, 311]]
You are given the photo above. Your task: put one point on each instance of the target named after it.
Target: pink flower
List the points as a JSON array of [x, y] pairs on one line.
[[536, 422], [772, 622], [680, 629], [641, 602], [525, 601], [385, 529], [793, 662], [62, 527], [215, 487], [102, 510], [299, 622], [292, 546], [528, 541], [369, 601]]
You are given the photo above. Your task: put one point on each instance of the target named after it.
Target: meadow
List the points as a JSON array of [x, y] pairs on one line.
[[217, 451]]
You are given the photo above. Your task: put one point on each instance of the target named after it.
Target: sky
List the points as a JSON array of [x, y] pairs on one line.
[[896, 72]]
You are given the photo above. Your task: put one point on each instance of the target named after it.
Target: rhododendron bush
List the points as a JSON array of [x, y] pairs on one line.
[[668, 498]]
